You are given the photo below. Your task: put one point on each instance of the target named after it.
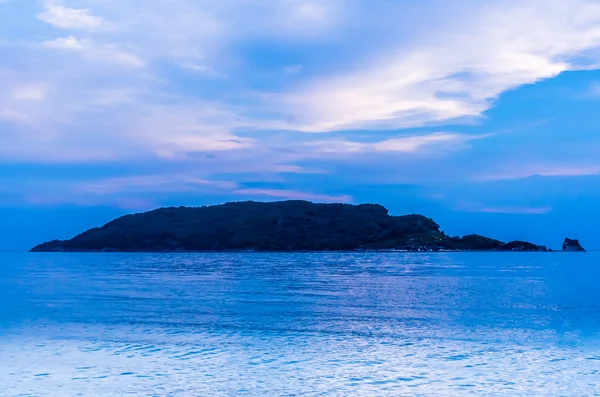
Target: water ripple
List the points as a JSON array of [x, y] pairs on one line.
[[327, 324]]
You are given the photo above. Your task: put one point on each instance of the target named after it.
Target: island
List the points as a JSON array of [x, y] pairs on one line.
[[285, 226], [572, 246]]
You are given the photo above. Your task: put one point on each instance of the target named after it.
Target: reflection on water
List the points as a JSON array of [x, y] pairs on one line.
[[330, 324]]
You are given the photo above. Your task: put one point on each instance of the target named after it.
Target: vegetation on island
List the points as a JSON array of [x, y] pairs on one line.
[[280, 226]]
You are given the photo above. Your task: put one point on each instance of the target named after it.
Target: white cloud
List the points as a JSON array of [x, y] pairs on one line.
[[451, 68], [96, 52], [68, 43], [70, 18], [365, 65], [203, 70], [407, 144], [413, 143], [178, 145]]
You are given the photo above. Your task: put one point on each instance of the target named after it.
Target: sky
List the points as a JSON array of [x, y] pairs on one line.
[[482, 114]]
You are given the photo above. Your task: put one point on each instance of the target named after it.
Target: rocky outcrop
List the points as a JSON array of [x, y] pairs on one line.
[[280, 226], [572, 246]]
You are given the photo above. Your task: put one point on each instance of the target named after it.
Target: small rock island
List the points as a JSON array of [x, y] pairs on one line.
[[572, 246], [285, 226]]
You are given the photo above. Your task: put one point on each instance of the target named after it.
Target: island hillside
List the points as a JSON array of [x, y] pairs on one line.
[[279, 226]]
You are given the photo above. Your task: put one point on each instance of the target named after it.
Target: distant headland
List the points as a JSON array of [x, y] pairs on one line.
[[285, 226]]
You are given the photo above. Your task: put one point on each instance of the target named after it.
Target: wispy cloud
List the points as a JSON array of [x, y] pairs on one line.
[[293, 195], [204, 70], [94, 51], [124, 203], [547, 170], [406, 144], [68, 43], [148, 183], [70, 18], [454, 68], [508, 209], [129, 192], [443, 68]]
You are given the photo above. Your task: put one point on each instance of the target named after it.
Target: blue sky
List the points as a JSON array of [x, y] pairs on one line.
[[481, 114]]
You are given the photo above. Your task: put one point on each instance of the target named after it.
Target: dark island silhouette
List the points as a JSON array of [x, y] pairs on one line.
[[572, 246], [284, 226]]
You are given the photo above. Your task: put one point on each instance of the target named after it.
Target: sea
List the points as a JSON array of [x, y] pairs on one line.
[[300, 324]]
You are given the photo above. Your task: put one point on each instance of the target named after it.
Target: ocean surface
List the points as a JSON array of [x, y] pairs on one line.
[[330, 324]]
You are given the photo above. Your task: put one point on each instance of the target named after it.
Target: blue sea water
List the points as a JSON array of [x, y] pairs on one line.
[[328, 324]]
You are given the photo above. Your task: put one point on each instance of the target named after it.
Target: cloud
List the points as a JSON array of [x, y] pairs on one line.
[[451, 68], [294, 169], [70, 18], [13, 116], [545, 170], [94, 51], [68, 43], [127, 204], [174, 82], [407, 144], [129, 192], [147, 183], [293, 195], [203, 70], [118, 190], [506, 209]]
